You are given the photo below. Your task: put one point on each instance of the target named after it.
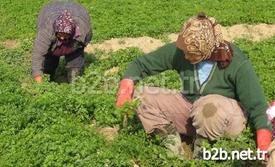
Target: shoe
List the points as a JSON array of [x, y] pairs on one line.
[[173, 145], [198, 150], [172, 141], [73, 73]]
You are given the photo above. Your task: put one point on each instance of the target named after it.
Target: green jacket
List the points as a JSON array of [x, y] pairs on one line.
[[237, 81]]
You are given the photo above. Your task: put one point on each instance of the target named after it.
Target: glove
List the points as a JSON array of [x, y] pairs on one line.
[[264, 137], [125, 92], [38, 79]]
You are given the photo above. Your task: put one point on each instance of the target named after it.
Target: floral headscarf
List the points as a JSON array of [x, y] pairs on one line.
[[65, 23], [199, 36]]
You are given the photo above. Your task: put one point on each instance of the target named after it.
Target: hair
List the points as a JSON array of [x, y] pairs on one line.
[[201, 15]]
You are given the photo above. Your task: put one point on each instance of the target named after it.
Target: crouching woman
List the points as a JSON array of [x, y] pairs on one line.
[[220, 89], [63, 29]]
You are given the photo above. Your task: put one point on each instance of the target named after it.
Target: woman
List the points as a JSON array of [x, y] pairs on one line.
[[220, 88], [63, 28]]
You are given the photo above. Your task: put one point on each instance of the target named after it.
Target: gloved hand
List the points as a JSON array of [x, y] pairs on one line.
[[125, 92], [38, 79], [264, 137]]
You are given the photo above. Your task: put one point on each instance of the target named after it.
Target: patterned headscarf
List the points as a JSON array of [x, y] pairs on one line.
[[64, 23], [200, 36]]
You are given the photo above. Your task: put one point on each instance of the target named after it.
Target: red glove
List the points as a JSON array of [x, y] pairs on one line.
[[38, 79], [264, 137], [125, 92]]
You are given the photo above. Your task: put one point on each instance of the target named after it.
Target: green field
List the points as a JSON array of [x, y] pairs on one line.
[[50, 124], [119, 18]]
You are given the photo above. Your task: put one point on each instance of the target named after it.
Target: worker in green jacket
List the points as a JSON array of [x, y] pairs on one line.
[[220, 89]]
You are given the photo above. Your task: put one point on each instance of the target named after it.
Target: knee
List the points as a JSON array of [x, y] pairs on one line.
[[143, 94], [145, 91], [216, 116]]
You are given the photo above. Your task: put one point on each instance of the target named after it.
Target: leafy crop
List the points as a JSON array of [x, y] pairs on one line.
[[48, 124], [131, 18]]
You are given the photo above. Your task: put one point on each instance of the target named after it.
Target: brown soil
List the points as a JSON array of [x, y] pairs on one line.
[[10, 44], [146, 44], [109, 132], [111, 71]]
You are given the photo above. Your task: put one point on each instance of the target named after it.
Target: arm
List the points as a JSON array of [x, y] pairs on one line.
[[83, 21], [41, 47], [252, 98], [152, 63], [88, 37], [251, 95]]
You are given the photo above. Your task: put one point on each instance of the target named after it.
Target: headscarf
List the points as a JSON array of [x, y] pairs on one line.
[[64, 23], [201, 36]]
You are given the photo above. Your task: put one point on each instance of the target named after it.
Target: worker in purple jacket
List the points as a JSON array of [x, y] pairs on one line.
[[63, 29]]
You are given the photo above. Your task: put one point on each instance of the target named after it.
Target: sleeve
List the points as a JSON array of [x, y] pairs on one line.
[[88, 37], [41, 47], [251, 95], [153, 63]]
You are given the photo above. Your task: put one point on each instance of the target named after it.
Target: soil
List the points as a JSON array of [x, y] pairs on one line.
[[10, 44], [109, 132]]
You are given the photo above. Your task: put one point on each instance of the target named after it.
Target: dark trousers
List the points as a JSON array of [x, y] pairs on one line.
[[73, 60]]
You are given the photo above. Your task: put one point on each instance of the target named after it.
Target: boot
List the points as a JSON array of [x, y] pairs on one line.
[[172, 141], [197, 152], [52, 76], [73, 73]]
